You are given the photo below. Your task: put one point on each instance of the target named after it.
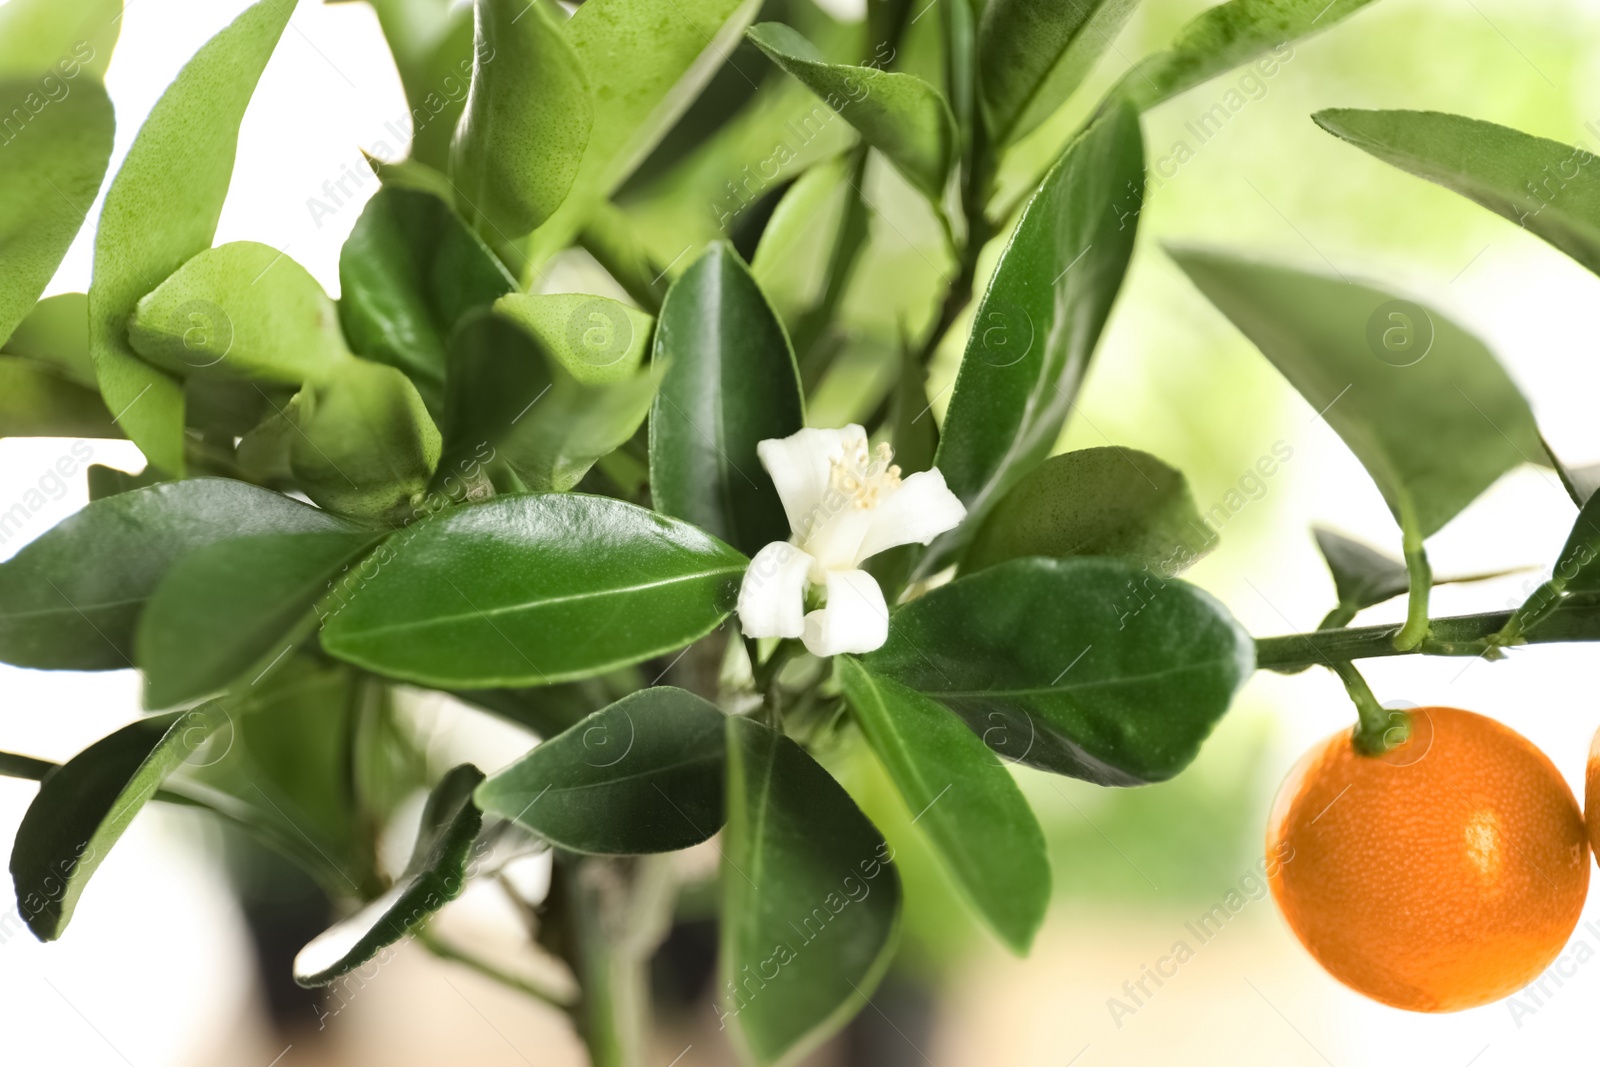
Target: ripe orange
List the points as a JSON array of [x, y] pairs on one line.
[[1591, 795], [1445, 874]]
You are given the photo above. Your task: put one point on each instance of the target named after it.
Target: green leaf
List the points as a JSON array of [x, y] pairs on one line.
[[1579, 482], [643, 775], [1040, 320], [526, 124], [548, 710], [57, 141], [35, 401], [70, 600], [161, 210], [1033, 53], [366, 446], [646, 60], [56, 332], [61, 38], [243, 311], [431, 41], [1097, 502], [532, 589], [1362, 576], [83, 808], [436, 874], [731, 383], [810, 899], [597, 340], [1537, 183], [1422, 403], [598, 391], [1226, 36], [409, 272], [498, 371], [1092, 668], [109, 481], [229, 611], [965, 801], [900, 115]]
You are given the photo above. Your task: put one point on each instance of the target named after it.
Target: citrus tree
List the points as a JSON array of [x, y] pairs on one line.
[[607, 517]]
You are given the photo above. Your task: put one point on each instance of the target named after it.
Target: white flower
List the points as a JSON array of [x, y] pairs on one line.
[[844, 503]]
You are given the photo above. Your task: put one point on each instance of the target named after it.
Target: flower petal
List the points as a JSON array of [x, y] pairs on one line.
[[800, 466], [922, 508], [855, 619], [772, 600]]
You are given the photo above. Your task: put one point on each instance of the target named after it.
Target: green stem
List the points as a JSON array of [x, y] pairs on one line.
[[446, 951], [1415, 631], [1573, 619], [1538, 607]]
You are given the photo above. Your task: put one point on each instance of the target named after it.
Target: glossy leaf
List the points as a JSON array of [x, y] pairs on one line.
[[1362, 576], [1033, 53], [409, 272], [900, 115], [962, 798], [436, 874], [57, 141], [1097, 502], [83, 808], [1225, 36], [161, 210], [526, 123], [365, 445], [62, 38], [731, 383], [231, 610], [242, 311], [70, 599], [1040, 320], [1539, 184], [532, 589], [56, 332], [810, 899], [643, 775], [1422, 403], [1092, 668], [35, 401]]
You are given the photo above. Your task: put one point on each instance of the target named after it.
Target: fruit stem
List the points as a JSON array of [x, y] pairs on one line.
[[1380, 728]]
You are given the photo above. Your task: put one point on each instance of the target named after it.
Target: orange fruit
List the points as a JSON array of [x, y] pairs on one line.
[[1591, 795], [1444, 874]]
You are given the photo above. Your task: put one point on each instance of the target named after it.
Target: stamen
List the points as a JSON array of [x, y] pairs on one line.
[[862, 476]]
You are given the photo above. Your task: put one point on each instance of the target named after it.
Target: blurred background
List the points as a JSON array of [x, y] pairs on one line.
[[161, 965]]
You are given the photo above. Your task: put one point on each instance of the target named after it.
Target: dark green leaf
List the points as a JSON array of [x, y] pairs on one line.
[[526, 124], [547, 710], [1540, 185], [109, 481], [532, 589], [643, 775], [56, 332], [55, 158], [231, 610], [966, 802], [1040, 319], [1422, 403], [1097, 502], [162, 209], [731, 383], [409, 272], [1225, 36], [365, 445], [70, 600], [810, 899], [1088, 667], [242, 311], [497, 372], [83, 808], [900, 115], [436, 874], [1033, 53], [35, 401], [1362, 576]]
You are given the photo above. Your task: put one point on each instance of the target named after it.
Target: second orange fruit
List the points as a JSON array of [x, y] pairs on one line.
[[1445, 874]]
